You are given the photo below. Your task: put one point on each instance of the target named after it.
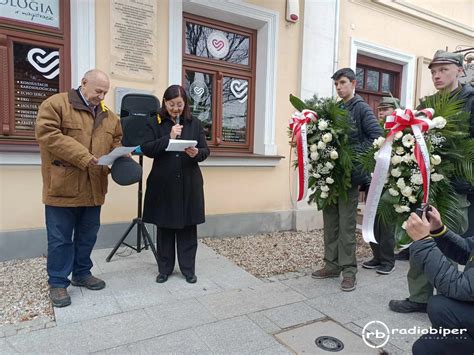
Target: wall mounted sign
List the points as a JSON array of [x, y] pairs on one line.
[[198, 91], [36, 77], [217, 44], [38, 12], [239, 90]]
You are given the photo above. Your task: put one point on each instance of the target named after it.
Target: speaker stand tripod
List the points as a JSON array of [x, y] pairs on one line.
[[142, 232]]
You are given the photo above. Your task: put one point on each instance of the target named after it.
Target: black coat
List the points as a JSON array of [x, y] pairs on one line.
[[365, 128], [174, 195]]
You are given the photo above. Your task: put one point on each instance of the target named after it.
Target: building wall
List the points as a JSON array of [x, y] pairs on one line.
[[406, 30], [228, 190]]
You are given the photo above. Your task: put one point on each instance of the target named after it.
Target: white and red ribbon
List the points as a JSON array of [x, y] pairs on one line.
[[298, 122], [419, 121]]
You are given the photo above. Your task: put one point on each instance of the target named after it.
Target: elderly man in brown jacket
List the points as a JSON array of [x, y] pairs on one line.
[[73, 130]]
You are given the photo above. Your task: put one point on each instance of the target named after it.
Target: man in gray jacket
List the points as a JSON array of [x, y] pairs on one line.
[[451, 310]]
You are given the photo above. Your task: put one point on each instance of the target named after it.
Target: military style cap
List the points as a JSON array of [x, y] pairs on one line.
[[388, 101], [126, 171], [443, 57]]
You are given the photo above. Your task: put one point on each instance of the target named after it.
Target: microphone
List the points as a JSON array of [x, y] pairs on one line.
[[178, 122]]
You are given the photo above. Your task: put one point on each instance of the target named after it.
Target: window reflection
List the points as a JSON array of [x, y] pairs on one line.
[[234, 121], [199, 89], [360, 78], [208, 42], [373, 80]]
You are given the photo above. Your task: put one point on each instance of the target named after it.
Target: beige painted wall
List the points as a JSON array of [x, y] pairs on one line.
[[228, 190], [381, 25]]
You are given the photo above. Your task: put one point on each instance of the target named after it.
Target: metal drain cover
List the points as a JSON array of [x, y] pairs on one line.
[[329, 343]]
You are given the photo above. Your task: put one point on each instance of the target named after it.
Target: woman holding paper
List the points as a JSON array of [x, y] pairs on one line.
[[174, 198]]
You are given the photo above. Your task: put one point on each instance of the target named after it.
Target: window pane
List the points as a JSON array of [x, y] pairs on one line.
[[387, 80], [234, 113], [360, 78], [199, 89], [36, 77], [211, 43], [373, 80]]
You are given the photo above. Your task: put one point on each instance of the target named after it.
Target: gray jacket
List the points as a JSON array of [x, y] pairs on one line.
[[431, 255]]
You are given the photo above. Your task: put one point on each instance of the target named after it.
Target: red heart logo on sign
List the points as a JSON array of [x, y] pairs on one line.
[[218, 44]]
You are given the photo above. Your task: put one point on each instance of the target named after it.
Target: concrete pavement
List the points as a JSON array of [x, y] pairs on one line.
[[227, 311]]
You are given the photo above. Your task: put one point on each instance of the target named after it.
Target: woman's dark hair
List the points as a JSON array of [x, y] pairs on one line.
[[171, 93]]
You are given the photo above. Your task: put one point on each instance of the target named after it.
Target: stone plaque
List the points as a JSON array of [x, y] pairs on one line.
[[133, 34], [36, 77]]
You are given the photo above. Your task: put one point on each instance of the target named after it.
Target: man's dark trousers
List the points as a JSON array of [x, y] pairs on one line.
[[448, 313], [67, 253], [384, 235]]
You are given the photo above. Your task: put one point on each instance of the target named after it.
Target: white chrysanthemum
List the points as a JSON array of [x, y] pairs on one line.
[[314, 156], [408, 140], [412, 199], [401, 183], [395, 172], [435, 159], [329, 180], [378, 142], [416, 179], [400, 151], [393, 192], [398, 135], [439, 122], [333, 155], [327, 137], [324, 195], [329, 165], [322, 125], [325, 188], [406, 191], [376, 154], [404, 225], [396, 159], [401, 208], [321, 145], [436, 177], [313, 147], [317, 176]]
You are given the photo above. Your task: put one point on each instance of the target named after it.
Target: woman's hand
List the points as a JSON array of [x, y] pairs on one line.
[[176, 131], [191, 151]]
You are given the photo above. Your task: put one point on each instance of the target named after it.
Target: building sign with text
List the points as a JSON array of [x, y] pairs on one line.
[[38, 12], [36, 77]]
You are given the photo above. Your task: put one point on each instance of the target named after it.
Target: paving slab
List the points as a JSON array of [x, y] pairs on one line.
[[238, 334], [264, 322], [310, 288], [182, 314], [302, 339], [292, 314], [56, 340], [117, 329]]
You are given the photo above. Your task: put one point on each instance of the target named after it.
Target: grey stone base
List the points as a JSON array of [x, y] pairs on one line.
[[32, 243]]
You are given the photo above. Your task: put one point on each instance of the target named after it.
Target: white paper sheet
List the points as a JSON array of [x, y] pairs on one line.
[[114, 154], [179, 145]]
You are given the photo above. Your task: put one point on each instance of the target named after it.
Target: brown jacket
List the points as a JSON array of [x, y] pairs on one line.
[[69, 137]]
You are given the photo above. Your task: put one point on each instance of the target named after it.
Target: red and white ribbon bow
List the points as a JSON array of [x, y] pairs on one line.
[[419, 122], [298, 122]]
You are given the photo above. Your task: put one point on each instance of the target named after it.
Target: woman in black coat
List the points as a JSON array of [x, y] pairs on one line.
[[174, 198]]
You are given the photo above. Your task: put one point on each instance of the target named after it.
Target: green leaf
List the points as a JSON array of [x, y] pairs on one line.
[[297, 103]]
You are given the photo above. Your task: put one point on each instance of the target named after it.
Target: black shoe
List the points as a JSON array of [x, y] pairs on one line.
[[385, 269], [59, 297], [90, 282], [191, 279], [406, 306], [161, 278], [371, 264], [403, 255]]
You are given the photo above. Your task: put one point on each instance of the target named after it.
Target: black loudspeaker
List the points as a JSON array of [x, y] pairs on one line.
[[136, 112]]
